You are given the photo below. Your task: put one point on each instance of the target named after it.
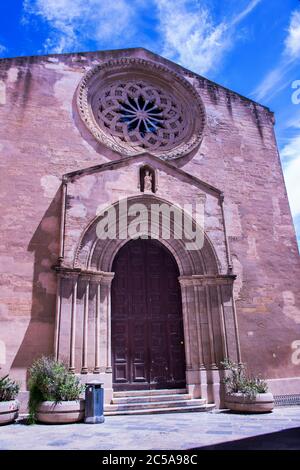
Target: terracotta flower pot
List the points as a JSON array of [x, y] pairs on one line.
[[261, 403], [61, 413], [9, 411]]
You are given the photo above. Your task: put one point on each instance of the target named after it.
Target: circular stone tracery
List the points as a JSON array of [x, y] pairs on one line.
[[133, 105], [142, 115]]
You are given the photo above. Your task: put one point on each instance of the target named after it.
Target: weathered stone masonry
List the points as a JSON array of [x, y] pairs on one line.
[[57, 173]]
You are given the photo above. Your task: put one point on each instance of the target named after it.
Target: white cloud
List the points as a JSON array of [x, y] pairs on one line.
[[292, 174], [190, 35], [291, 151], [240, 16], [187, 32], [292, 42], [2, 49], [75, 22], [290, 155], [294, 121], [276, 79], [273, 82]]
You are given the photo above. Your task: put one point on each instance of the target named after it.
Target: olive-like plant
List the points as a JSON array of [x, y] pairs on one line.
[[239, 382], [50, 380], [9, 389]]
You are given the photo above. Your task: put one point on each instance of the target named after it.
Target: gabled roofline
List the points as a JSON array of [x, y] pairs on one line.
[[73, 175], [136, 49]]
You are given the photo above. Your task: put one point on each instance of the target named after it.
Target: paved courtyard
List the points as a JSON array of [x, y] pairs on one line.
[[281, 429]]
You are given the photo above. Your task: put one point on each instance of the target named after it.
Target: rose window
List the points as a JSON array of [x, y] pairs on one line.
[[132, 105], [141, 114]]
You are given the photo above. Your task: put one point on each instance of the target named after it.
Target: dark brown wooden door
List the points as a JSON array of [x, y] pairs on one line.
[[147, 330]]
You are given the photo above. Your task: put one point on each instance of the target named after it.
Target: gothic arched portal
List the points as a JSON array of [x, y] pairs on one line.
[[84, 312]]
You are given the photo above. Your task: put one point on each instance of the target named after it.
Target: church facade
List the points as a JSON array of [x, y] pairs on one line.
[[146, 231]]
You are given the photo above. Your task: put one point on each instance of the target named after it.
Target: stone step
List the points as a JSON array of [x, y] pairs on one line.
[[150, 405], [137, 393], [150, 398], [175, 409]]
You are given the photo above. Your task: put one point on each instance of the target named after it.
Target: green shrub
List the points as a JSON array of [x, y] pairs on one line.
[[9, 389], [50, 380], [239, 382]]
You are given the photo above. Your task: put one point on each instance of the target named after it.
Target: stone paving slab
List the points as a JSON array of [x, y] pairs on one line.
[[159, 432]]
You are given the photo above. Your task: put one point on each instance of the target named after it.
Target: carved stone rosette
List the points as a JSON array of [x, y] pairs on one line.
[[132, 105]]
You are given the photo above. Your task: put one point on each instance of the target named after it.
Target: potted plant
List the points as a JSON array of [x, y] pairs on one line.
[[244, 393], [9, 406], [54, 393]]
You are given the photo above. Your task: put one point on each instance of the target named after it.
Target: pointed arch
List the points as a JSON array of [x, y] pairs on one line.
[[94, 253]]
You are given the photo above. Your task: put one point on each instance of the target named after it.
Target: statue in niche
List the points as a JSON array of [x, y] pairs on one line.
[[147, 181]]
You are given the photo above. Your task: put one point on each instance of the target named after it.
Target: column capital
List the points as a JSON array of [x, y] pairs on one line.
[[67, 273], [107, 278], [102, 277]]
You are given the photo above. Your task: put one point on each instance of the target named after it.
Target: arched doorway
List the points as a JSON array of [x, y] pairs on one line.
[[147, 326]]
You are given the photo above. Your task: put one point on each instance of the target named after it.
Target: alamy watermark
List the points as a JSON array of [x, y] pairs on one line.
[[131, 220], [296, 93]]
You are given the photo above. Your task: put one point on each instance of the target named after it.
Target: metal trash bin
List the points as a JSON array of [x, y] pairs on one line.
[[94, 395]]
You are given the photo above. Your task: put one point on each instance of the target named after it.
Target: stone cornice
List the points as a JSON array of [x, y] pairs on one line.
[[84, 275], [204, 280]]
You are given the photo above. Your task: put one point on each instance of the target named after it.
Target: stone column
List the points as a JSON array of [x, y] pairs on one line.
[[84, 365], [106, 283], [222, 323], [185, 313], [73, 322], [95, 278], [57, 317], [97, 328], [236, 327], [210, 329], [198, 315]]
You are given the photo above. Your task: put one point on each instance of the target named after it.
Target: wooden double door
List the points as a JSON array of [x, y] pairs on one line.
[[147, 328]]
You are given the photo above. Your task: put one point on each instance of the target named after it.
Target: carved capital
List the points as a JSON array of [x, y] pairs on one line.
[[107, 278]]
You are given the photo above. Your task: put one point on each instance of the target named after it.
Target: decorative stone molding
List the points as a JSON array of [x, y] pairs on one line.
[[67, 273], [84, 275], [205, 280], [129, 106], [107, 278]]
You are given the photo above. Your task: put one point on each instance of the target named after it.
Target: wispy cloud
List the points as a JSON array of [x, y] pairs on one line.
[[292, 42], [75, 22], [277, 78], [291, 158], [186, 30], [3, 49], [190, 35], [242, 14]]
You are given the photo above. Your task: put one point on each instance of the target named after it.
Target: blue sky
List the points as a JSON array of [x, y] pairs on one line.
[[250, 46]]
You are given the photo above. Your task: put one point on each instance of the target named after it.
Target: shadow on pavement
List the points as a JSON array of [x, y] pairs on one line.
[[287, 439]]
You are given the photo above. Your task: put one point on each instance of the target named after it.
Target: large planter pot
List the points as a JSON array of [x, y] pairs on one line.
[[60, 413], [9, 411], [261, 403]]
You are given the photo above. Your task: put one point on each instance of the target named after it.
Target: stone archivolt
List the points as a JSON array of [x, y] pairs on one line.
[[151, 107]]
